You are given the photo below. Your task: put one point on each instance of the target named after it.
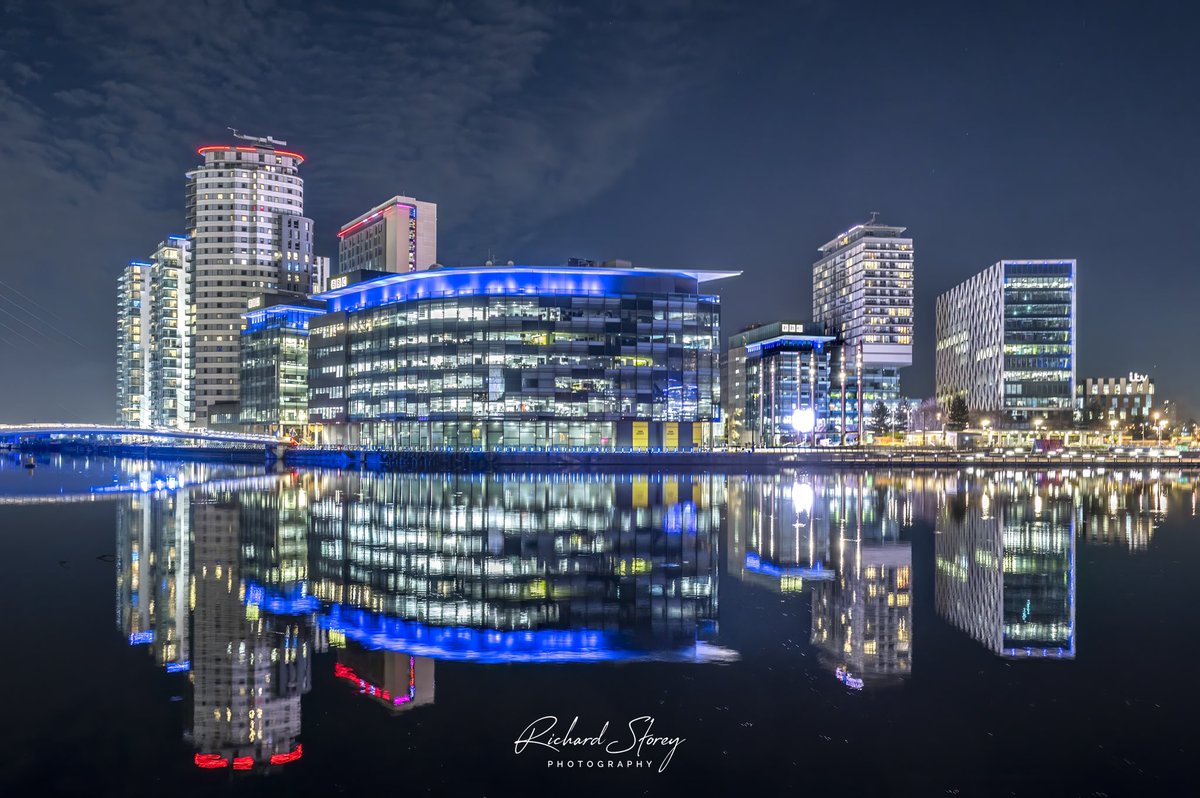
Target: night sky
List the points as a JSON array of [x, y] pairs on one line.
[[717, 135]]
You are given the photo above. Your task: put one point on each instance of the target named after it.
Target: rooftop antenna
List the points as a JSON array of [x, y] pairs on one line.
[[874, 216], [261, 141]]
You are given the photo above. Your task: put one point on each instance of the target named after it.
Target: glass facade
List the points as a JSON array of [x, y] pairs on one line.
[[133, 344], [863, 288], [518, 357], [274, 367], [1006, 341], [1039, 336]]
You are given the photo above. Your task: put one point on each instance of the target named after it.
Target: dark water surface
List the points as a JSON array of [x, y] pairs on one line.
[[185, 629]]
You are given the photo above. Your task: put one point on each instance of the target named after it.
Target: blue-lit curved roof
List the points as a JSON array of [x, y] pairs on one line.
[[501, 280]]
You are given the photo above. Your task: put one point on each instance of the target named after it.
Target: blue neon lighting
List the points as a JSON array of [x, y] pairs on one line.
[[288, 317], [179, 667], [294, 602], [502, 281], [141, 638], [816, 571]]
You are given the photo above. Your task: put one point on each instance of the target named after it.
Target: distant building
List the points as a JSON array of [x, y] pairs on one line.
[[399, 235], [863, 289], [1125, 400], [1006, 341], [133, 344], [518, 356], [170, 361], [320, 274], [784, 383], [274, 364], [249, 234]]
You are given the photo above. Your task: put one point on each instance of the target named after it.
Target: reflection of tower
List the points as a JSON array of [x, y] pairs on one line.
[[863, 618], [397, 680], [153, 549], [1006, 573], [249, 671]]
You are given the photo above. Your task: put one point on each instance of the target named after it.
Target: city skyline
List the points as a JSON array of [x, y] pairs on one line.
[[1092, 190]]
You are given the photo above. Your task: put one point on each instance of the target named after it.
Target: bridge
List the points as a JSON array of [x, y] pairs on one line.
[[115, 433]]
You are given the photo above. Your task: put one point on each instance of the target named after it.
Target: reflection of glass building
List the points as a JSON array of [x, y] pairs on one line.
[[249, 668], [1006, 340], [154, 576], [1006, 572], [518, 356], [517, 568], [394, 679], [838, 535], [274, 363]]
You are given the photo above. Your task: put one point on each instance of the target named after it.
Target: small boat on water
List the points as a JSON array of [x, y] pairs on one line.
[[29, 462]]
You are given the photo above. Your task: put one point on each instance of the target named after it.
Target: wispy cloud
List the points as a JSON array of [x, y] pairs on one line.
[[506, 112]]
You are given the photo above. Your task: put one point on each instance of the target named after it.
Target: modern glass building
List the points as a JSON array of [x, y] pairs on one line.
[[863, 288], [170, 342], [274, 363], [785, 384], [518, 356], [1006, 341], [133, 344]]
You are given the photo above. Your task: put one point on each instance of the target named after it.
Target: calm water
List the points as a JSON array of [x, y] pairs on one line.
[[181, 628]]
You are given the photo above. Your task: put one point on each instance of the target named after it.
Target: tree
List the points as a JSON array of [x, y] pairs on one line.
[[957, 414], [879, 418], [900, 418]]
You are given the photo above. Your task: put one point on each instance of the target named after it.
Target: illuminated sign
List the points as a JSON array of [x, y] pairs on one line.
[[845, 677], [671, 436], [141, 638], [1135, 377], [178, 667], [339, 282], [254, 302], [291, 756], [641, 435]]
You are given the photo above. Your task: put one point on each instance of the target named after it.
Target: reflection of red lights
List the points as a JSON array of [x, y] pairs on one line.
[[210, 761], [291, 756], [243, 762], [344, 672]]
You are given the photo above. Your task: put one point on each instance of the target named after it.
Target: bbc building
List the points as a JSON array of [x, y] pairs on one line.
[[598, 356]]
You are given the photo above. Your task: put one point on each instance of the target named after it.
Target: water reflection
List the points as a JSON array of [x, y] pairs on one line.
[[838, 536], [1006, 568], [397, 572], [244, 590]]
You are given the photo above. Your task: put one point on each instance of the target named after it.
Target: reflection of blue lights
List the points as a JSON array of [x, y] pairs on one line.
[[141, 638], [755, 564], [178, 667], [680, 519], [474, 645], [294, 602]]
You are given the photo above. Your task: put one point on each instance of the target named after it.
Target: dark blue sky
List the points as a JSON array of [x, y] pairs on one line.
[[718, 135]]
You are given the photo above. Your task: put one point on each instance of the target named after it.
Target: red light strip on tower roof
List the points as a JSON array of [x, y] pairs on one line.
[[228, 147], [372, 218]]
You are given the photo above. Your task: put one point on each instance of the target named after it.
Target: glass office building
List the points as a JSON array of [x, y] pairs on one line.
[[274, 364], [785, 384], [1006, 341], [518, 356]]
